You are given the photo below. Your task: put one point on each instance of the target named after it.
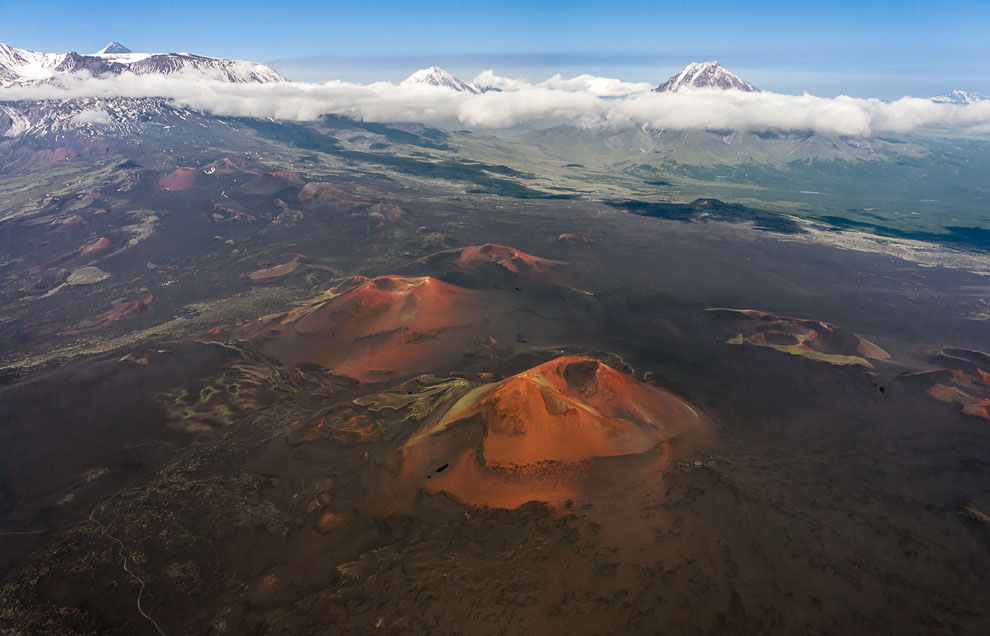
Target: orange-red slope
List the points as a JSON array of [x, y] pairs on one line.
[[379, 327], [538, 430], [491, 265], [128, 309], [512, 260], [964, 380], [97, 245], [180, 179]]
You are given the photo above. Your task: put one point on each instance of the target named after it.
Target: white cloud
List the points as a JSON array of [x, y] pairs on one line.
[[96, 116], [577, 100], [737, 110], [598, 86], [488, 79]]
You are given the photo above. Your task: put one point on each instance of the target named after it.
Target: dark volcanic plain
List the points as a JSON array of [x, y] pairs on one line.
[[339, 379]]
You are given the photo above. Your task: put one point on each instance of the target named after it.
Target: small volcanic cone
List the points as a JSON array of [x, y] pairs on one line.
[[95, 246], [812, 339], [269, 183], [370, 329], [509, 259], [128, 309], [531, 436], [963, 358], [316, 193], [180, 179], [63, 154], [491, 265], [964, 380]]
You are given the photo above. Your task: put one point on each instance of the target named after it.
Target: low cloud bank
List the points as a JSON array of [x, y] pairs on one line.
[[585, 101], [598, 86]]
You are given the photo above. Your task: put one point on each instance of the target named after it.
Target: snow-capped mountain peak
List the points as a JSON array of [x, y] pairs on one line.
[[20, 67], [105, 115], [113, 48], [705, 75], [436, 76], [958, 97]]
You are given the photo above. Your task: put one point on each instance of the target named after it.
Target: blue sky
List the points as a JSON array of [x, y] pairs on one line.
[[882, 49]]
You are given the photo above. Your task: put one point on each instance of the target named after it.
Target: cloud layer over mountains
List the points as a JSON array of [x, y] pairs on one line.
[[584, 100]]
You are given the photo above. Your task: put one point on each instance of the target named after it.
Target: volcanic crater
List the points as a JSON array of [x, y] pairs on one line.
[[372, 329], [537, 435]]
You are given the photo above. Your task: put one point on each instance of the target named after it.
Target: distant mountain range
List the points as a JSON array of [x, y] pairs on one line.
[[21, 67], [120, 115], [106, 115], [694, 75]]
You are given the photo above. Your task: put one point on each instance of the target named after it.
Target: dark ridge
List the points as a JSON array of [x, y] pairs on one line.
[[955, 235], [454, 170], [292, 134], [479, 174], [711, 208], [429, 138], [768, 134]]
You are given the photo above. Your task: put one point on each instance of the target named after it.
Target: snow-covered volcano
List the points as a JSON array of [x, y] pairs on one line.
[[958, 97], [436, 76], [113, 48], [705, 75]]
